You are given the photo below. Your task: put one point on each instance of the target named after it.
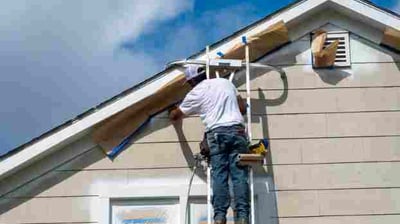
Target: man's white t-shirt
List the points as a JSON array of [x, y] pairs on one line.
[[215, 100]]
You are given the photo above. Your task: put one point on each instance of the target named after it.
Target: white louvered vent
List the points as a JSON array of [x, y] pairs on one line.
[[343, 51]]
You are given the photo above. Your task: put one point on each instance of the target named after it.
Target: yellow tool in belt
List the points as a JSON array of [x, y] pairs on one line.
[[260, 148]]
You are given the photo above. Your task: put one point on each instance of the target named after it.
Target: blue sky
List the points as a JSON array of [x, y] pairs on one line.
[[59, 58]]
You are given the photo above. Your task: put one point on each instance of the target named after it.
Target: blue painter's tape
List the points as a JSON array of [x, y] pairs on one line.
[[244, 40], [121, 146], [144, 220], [125, 142], [219, 53]]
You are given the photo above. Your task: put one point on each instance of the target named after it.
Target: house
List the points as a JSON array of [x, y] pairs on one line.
[[334, 134]]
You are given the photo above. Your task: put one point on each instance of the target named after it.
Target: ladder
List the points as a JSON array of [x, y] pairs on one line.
[[234, 64]]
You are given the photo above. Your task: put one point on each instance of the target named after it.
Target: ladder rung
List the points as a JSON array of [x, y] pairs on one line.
[[251, 157], [226, 63]]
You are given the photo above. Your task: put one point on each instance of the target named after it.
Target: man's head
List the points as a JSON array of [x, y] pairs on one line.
[[194, 74]]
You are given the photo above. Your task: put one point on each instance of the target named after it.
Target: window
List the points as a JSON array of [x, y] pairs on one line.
[[145, 211]]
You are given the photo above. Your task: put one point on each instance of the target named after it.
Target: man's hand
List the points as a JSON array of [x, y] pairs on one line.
[[175, 114], [242, 105]]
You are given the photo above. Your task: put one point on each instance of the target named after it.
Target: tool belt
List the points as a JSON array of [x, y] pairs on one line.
[[204, 148]]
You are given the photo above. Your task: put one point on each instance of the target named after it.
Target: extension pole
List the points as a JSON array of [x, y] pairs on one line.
[[208, 62], [208, 167], [248, 101], [249, 131]]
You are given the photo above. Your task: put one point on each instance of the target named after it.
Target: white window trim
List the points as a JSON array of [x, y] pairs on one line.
[[178, 192]]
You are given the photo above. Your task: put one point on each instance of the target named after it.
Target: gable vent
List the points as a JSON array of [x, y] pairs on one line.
[[343, 50]]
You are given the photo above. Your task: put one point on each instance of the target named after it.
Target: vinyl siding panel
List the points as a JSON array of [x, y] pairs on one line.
[[42, 169], [304, 77], [139, 156], [69, 183], [369, 219], [52, 210], [335, 150], [326, 100], [337, 176], [338, 202], [290, 126]]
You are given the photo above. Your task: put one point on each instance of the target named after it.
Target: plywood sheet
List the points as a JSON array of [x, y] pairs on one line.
[[112, 131], [391, 38], [323, 57], [260, 44]]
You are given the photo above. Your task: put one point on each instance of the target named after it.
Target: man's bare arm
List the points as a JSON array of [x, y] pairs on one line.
[[242, 105], [175, 114]]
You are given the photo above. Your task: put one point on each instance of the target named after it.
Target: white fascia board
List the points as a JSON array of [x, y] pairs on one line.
[[370, 12]]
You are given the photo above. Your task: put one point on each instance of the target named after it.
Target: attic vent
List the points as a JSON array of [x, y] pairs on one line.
[[343, 50]]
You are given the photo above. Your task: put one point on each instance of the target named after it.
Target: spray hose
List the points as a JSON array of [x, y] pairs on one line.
[[198, 158]]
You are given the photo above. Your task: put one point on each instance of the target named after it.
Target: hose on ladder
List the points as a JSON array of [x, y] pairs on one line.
[[198, 159]]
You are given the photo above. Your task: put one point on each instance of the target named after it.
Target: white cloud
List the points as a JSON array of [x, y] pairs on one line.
[[87, 21], [133, 19], [60, 57]]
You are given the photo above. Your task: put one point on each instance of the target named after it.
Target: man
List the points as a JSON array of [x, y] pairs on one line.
[[220, 108]]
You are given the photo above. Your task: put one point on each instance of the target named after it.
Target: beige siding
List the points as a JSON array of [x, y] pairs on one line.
[[326, 100], [337, 176], [290, 126], [370, 53], [42, 170], [298, 203], [335, 150], [94, 182], [304, 77], [338, 202], [52, 210], [157, 155], [376, 219]]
